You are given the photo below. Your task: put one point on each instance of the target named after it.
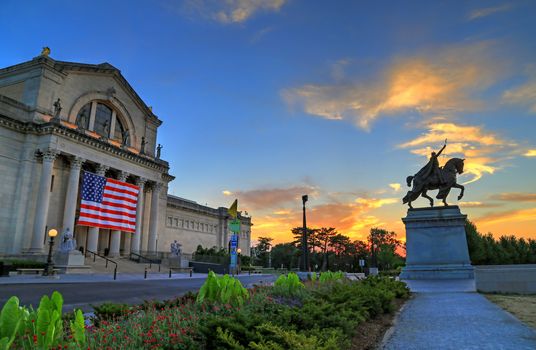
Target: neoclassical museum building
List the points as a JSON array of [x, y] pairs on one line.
[[58, 119]]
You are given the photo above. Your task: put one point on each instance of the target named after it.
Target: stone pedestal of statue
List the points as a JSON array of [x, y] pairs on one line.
[[70, 262], [436, 245]]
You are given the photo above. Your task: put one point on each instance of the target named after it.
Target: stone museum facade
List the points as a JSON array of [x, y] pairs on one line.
[[101, 125]]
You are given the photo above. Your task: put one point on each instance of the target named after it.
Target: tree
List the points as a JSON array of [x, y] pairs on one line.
[[324, 236], [285, 255], [384, 245], [261, 250]]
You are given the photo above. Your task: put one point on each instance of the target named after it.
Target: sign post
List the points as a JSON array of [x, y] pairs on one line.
[[234, 226]]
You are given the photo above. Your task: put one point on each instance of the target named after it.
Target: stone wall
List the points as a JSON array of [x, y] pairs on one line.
[[506, 278]]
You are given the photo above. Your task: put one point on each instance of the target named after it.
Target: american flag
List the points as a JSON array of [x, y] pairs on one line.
[[108, 203]]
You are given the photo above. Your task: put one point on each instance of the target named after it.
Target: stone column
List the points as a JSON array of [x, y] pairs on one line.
[[153, 223], [136, 237], [72, 194], [93, 232], [115, 241], [43, 201]]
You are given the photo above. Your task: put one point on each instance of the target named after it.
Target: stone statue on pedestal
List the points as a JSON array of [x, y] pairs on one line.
[[433, 177], [175, 248], [68, 242]]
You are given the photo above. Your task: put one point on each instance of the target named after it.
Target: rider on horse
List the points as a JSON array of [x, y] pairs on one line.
[[432, 169]]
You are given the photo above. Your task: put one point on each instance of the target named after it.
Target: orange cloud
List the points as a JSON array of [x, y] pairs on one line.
[[271, 198], [431, 83], [515, 197], [482, 149], [509, 216], [395, 186], [477, 204], [352, 219], [530, 153]]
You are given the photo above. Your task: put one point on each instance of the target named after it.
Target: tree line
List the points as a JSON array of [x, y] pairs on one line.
[[486, 250], [331, 250]]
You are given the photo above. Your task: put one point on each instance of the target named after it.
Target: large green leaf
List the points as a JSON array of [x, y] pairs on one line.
[[78, 329]]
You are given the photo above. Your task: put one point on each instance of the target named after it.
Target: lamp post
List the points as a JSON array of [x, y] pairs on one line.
[[238, 251], [49, 267], [305, 251]]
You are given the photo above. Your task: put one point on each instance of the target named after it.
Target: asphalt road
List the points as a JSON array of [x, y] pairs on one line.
[[82, 295]]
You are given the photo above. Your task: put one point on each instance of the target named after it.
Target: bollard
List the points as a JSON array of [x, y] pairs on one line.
[[158, 267], [191, 272], [115, 273], [249, 272], [145, 274], [169, 273]]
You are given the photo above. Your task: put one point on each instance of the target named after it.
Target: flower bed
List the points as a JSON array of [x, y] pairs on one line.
[[319, 315]]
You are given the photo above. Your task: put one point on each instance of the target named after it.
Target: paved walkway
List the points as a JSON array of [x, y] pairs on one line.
[[449, 315]]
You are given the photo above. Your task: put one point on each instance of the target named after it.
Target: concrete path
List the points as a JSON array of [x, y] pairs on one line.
[[445, 315]]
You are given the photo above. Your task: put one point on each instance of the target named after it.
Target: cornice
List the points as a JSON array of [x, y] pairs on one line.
[[59, 130]]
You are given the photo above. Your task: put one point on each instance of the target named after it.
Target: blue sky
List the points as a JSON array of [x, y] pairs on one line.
[[268, 100]]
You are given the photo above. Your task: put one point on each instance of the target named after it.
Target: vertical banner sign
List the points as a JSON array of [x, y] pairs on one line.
[[235, 228]]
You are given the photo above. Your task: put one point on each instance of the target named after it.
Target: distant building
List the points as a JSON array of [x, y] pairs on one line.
[[103, 127]]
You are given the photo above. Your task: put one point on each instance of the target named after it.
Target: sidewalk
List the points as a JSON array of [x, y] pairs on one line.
[[91, 278], [449, 315]]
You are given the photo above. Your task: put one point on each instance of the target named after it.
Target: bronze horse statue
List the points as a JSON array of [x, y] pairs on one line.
[[421, 185]]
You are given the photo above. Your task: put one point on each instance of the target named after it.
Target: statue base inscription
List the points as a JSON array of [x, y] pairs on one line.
[[436, 245]]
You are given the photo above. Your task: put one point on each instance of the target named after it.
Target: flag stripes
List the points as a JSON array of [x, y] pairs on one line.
[[108, 203]]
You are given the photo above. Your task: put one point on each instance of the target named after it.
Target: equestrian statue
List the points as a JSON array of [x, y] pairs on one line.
[[434, 177]]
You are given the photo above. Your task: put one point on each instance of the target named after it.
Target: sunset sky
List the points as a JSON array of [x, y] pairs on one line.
[[267, 100]]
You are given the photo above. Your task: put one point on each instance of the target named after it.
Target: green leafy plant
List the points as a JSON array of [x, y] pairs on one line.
[[78, 330], [289, 285], [48, 321], [277, 338], [329, 276], [12, 318], [225, 289]]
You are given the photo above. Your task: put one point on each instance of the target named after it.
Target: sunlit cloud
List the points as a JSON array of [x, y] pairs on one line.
[[441, 82], [395, 186], [353, 219], [515, 197], [483, 150], [509, 216], [273, 197], [477, 204], [524, 95], [227, 193], [376, 203], [231, 11], [484, 12], [530, 153]]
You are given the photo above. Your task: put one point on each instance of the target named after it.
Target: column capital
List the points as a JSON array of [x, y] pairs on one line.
[[50, 155], [101, 169], [157, 186], [76, 162], [123, 176], [140, 182]]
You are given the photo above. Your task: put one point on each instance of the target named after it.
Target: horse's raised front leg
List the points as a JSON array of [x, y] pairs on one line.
[[462, 188], [429, 198]]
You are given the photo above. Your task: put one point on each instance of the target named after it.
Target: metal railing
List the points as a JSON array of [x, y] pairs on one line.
[[103, 257], [138, 258]]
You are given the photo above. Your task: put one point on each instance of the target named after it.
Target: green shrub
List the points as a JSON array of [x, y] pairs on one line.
[[23, 264], [108, 312], [288, 285]]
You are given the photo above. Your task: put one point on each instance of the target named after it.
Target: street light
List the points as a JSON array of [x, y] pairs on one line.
[[49, 267], [238, 251], [305, 251]]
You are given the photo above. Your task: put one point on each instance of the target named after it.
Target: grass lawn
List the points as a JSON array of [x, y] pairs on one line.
[[521, 306]]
